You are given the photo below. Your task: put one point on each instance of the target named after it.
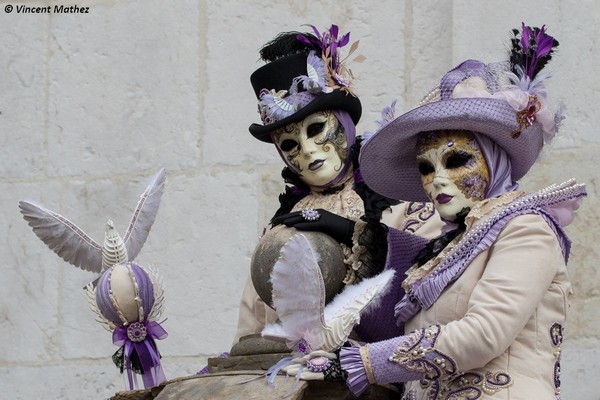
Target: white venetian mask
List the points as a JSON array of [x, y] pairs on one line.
[[315, 148], [453, 171]]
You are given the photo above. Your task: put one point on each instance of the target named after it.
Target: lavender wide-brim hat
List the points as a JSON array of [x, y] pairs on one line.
[[388, 159]]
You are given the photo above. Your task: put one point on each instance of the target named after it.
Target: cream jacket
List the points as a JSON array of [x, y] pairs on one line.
[[500, 323]]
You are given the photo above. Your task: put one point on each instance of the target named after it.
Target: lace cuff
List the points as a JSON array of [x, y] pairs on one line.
[[371, 364]]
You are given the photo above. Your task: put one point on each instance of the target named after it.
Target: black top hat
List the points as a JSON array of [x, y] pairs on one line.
[[285, 97]]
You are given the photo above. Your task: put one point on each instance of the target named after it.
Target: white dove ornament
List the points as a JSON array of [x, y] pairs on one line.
[[76, 247], [311, 329]]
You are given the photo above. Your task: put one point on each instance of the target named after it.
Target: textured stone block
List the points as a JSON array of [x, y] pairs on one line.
[[23, 105], [250, 385], [125, 97], [94, 104]]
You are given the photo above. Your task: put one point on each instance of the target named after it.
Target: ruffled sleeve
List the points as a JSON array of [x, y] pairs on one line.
[[352, 363], [372, 364]]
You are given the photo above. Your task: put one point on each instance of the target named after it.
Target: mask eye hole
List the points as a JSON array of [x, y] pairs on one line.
[[314, 129], [457, 160], [425, 168], [288, 145]]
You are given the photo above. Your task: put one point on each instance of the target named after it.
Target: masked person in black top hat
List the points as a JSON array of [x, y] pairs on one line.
[[309, 111]]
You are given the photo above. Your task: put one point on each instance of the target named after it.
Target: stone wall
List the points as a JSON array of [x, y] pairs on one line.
[[94, 103]]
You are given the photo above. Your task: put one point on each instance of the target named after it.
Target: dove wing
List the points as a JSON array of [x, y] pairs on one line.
[[63, 237], [144, 215], [298, 292]]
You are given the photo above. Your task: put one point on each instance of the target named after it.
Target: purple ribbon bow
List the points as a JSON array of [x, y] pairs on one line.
[[139, 337]]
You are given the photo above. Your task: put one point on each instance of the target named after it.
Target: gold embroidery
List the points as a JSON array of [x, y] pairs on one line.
[[485, 207], [352, 256]]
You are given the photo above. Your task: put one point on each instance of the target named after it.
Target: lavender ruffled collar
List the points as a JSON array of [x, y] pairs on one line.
[[556, 204]]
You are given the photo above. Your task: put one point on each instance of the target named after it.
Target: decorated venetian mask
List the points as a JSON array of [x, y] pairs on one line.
[[453, 170], [315, 148]]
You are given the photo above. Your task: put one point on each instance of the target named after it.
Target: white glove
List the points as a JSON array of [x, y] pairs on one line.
[[313, 366]]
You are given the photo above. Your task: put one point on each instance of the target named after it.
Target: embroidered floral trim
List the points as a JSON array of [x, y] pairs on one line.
[[416, 273], [345, 202], [441, 379], [352, 265], [472, 385], [418, 354], [468, 386], [556, 336]]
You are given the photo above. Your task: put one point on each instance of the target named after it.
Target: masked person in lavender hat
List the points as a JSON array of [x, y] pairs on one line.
[[309, 112], [485, 302]]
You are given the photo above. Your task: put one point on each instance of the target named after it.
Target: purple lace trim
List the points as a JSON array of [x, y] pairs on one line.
[[426, 291]]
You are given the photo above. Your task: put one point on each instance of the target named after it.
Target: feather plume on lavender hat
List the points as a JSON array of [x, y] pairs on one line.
[[505, 102]]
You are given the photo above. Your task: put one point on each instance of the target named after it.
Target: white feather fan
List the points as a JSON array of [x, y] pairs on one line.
[[299, 299]]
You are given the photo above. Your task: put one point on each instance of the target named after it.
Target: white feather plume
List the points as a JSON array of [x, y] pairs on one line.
[[90, 291], [299, 299], [298, 290], [159, 293], [76, 247]]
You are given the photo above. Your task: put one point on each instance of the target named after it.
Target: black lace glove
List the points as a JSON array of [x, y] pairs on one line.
[[339, 228]]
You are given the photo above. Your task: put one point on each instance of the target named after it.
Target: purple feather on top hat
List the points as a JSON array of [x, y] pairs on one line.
[[499, 101], [304, 74]]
